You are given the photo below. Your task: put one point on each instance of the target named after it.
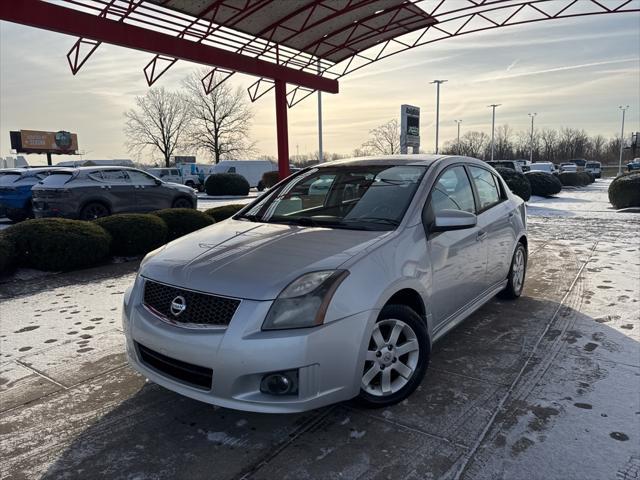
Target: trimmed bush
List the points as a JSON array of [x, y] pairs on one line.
[[587, 178], [572, 179], [59, 244], [226, 184], [516, 182], [181, 221], [269, 179], [7, 254], [624, 191], [222, 213], [134, 233], [543, 184]]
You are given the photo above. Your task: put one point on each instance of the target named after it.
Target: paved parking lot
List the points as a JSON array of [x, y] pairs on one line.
[[546, 387]]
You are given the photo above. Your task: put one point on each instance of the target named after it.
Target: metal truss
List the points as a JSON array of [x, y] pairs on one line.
[[430, 21]]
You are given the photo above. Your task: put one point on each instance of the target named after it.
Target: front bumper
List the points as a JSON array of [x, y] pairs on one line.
[[329, 358]]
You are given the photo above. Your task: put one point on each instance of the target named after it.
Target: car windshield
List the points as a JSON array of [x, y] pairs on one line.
[[57, 179], [351, 197]]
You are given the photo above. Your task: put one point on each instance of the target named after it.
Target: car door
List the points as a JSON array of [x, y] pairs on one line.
[[458, 257], [149, 195], [115, 188], [495, 217]]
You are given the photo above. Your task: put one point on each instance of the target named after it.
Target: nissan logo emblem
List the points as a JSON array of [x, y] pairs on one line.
[[178, 305]]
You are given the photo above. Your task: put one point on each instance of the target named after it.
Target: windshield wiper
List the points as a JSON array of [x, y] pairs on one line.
[[381, 220]]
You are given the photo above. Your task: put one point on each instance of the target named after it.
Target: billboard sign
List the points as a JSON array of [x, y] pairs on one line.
[[409, 128], [36, 141]]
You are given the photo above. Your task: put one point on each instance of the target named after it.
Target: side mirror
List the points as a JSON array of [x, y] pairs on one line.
[[453, 220], [158, 182]]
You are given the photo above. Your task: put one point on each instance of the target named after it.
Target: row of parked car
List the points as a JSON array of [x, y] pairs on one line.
[[87, 192], [522, 166]]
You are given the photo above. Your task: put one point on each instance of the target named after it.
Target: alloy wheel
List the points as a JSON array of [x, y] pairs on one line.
[[392, 358], [518, 270]]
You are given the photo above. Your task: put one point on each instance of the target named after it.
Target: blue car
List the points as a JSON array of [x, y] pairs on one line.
[[15, 191], [634, 165]]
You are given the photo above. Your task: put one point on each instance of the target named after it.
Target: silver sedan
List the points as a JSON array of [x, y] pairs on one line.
[[332, 285]]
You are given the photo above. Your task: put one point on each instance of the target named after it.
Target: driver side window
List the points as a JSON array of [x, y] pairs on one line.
[[452, 191]]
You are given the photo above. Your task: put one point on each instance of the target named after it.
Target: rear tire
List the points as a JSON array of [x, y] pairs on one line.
[[182, 202], [397, 357], [19, 214], [517, 274], [94, 210]]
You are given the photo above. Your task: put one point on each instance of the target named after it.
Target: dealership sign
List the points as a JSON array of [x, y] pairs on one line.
[[409, 128], [36, 141]]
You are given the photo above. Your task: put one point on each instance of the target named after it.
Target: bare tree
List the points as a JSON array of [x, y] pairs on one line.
[[220, 120], [158, 123], [384, 140]]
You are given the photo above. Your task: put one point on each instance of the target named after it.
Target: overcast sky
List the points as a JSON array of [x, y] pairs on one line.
[[572, 72]]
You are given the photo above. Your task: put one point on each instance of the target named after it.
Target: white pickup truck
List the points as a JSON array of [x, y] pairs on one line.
[[176, 175]]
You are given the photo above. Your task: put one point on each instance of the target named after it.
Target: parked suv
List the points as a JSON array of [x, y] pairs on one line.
[[92, 192], [15, 191], [307, 297]]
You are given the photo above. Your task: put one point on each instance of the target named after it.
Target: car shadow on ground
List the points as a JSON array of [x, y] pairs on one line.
[[498, 357]]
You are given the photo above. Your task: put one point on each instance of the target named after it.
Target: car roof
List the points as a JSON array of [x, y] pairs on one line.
[[393, 160]]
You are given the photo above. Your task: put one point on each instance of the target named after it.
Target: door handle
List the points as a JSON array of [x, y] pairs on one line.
[[511, 214], [481, 235]]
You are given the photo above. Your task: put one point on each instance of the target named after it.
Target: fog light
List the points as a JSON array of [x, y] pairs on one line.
[[280, 383]]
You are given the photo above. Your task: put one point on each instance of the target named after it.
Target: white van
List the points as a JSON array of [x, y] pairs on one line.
[[252, 170]]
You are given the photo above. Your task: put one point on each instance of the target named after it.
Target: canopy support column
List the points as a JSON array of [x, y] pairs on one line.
[[281, 127]]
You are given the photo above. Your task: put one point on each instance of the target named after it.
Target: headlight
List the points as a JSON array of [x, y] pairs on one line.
[[305, 300]]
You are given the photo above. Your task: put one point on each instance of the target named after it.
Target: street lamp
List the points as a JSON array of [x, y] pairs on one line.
[[493, 126], [532, 115], [437, 82], [624, 110], [458, 122]]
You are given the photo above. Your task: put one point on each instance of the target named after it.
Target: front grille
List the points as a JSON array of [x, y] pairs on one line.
[[177, 369], [200, 308]]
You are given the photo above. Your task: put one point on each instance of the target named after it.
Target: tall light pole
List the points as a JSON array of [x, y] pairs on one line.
[[532, 115], [493, 126], [624, 110], [437, 82], [458, 122]]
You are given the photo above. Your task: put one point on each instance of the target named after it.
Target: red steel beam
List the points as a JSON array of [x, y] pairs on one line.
[[39, 14], [281, 128]]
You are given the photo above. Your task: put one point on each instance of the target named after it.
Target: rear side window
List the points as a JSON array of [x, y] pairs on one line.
[[488, 190], [114, 176], [8, 178], [452, 191], [57, 179]]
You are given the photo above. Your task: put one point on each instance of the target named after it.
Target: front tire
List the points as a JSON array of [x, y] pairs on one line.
[[517, 274], [182, 203], [260, 186], [397, 357]]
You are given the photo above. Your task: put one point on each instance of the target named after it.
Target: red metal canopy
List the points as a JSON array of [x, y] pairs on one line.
[[308, 44]]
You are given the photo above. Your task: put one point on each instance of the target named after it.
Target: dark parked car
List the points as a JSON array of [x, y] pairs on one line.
[[15, 190], [92, 192]]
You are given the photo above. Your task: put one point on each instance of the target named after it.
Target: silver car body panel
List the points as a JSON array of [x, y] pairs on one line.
[[454, 273]]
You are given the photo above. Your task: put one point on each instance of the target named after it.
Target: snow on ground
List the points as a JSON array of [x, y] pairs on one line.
[[591, 201]]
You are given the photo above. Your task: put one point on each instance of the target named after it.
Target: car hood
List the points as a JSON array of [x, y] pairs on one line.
[[253, 260]]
